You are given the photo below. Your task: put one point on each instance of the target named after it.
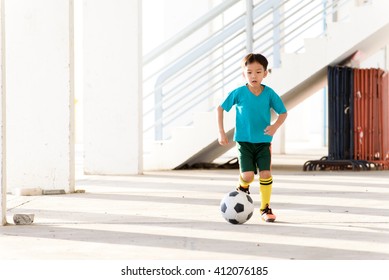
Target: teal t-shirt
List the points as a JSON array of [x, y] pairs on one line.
[[253, 113]]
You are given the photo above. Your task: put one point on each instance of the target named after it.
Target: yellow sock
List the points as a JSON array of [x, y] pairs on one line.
[[265, 187], [243, 183]]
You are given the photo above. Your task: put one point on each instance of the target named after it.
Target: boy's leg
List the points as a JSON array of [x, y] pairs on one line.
[[247, 165], [266, 186], [245, 179], [265, 182]]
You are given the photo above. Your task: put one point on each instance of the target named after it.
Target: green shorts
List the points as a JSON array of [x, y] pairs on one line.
[[253, 156]]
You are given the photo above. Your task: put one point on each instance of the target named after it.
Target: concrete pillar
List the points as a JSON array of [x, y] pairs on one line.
[[112, 87], [40, 103], [3, 186]]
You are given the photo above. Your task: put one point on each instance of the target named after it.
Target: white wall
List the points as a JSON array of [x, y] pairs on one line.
[[40, 103], [112, 87], [3, 186], [163, 19], [376, 60]]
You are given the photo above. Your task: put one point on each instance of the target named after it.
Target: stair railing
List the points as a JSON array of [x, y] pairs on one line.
[[196, 78]]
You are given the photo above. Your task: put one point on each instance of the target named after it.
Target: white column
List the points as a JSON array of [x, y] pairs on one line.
[[3, 186], [112, 87], [40, 103]]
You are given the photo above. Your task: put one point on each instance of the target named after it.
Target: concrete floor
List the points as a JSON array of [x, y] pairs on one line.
[[175, 215]]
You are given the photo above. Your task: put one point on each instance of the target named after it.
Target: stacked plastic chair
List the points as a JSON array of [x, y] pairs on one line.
[[358, 120]]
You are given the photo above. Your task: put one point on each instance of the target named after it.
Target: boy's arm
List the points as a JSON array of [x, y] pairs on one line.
[[271, 129], [223, 139]]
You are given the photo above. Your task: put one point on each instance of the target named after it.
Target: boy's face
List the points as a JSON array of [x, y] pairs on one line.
[[254, 74]]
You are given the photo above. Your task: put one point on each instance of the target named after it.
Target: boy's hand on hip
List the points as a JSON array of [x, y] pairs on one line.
[[270, 130]]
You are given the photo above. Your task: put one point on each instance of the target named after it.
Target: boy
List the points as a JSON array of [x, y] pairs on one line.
[[253, 130]]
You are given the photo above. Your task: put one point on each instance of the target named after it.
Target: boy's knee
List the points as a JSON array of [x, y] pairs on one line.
[[247, 176], [265, 174]]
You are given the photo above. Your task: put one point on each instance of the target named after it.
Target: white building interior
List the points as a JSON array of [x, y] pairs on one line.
[[121, 87]]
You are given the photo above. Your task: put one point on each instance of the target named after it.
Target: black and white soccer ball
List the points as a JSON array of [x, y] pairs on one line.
[[237, 207]]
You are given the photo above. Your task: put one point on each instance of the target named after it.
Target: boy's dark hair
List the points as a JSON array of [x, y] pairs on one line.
[[255, 57]]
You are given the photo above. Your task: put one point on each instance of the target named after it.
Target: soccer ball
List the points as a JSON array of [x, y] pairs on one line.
[[237, 207]]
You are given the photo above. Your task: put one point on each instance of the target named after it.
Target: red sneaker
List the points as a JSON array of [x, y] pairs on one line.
[[267, 215]]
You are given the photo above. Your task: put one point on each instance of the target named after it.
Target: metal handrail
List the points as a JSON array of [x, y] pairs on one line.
[[170, 105], [171, 94], [201, 21], [194, 54]]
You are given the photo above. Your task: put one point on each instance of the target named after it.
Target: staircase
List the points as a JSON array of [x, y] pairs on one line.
[[302, 73]]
